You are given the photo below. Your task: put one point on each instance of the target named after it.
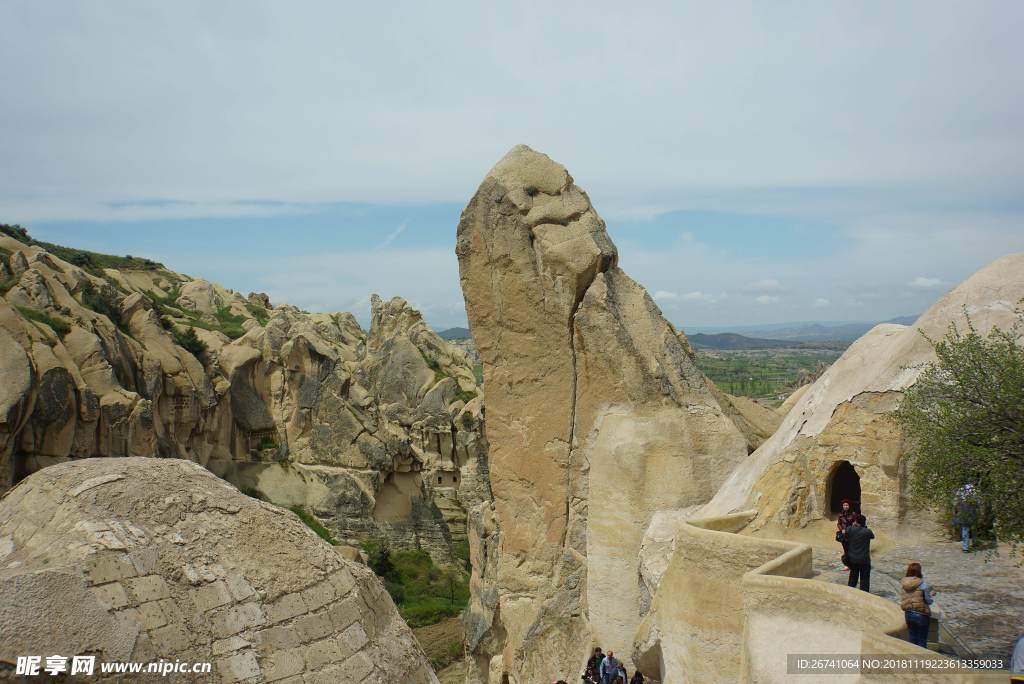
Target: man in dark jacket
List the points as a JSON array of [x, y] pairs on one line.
[[858, 541], [594, 665]]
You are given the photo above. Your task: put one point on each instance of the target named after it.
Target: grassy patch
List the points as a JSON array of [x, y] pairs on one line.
[[424, 592], [58, 325], [258, 312], [439, 374], [313, 524], [464, 396], [94, 262], [228, 323], [478, 371]]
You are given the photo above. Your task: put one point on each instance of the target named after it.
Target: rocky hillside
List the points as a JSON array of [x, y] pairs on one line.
[[378, 433]]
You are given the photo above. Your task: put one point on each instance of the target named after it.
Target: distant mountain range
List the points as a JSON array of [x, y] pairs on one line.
[[454, 334], [803, 335], [735, 341], [811, 331]]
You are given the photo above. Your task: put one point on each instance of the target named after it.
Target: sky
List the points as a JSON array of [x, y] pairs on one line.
[[754, 162]]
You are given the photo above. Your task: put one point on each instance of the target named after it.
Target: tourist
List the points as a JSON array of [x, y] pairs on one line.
[[858, 540], [1017, 662], [846, 517], [916, 602], [965, 515], [594, 665], [609, 668], [638, 678]]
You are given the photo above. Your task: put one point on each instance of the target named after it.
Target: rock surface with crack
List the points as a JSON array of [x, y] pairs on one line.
[[597, 418], [136, 559]]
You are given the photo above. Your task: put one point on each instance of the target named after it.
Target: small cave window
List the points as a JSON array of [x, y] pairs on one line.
[[455, 478], [844, 483], [439, 477]]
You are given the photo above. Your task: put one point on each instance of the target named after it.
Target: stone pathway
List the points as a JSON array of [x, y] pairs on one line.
[[981, 595]]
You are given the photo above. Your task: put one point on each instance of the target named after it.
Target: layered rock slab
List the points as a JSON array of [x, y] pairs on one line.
[[135, 559], [596, 419]]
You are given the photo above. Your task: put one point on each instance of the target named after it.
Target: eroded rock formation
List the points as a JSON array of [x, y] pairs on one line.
[[378, 434], [596, 419], [841, 421], [138, 559]]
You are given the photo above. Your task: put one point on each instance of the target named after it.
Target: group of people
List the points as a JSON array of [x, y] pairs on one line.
[[853, 532], [607, 669]]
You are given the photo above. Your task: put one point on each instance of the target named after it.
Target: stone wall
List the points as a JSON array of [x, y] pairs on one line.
[[732, 607]]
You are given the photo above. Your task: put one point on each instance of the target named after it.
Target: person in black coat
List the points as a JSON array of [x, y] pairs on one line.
[[858, 542]]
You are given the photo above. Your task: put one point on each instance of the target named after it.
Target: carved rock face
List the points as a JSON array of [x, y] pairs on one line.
[[596, 418]]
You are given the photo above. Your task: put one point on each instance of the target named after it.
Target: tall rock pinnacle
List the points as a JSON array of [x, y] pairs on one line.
[[597, 418]]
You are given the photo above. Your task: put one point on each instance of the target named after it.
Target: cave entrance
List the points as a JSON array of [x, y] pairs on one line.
[[843, 483]]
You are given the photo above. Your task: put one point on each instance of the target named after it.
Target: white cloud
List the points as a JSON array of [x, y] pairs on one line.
[[698, 296], [385, 114], [664, 296], [765, 285], [821, 303], [922, 283], [767, 299]]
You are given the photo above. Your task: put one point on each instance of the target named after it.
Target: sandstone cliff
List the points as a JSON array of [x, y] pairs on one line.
[[379, 434], [133, 559], [841, 420], [597, 418]]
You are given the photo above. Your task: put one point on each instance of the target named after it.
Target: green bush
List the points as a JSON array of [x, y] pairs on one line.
[[259, 313], [464, 396], [58, 325], [190, 342], [253, 493], [228, 323], [964, 424], [104, 301], [314, 524], [94, 262], [424, 592]]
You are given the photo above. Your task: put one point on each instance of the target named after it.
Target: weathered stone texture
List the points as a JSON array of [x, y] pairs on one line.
[[303, 409], [844, 415], [597, 417], [161, 559]]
